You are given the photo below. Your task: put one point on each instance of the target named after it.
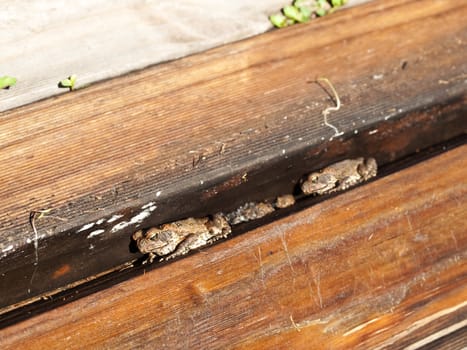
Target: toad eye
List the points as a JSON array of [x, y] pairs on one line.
[[313, 178], [160, 235], [325, 179], [152, 235]]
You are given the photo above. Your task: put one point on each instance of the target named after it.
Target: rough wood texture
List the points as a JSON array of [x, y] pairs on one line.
[[100, 155], [381, 266]]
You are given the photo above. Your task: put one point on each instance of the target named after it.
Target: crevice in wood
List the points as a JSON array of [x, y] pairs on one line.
[[135, 267]]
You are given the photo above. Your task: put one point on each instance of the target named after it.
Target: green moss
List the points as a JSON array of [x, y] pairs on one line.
[[303, 10]]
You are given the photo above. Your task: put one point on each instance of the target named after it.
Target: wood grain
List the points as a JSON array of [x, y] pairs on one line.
[[103, 153], [381, 266]]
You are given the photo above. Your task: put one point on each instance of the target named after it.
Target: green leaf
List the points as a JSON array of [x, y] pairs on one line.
[[7, 81], [338, 3], [304, 3], [73, 80], [68, 82], [293, 13], [321, 12], [323, 3], [290, 21], [306, 13], [278, 20], [65, 83]]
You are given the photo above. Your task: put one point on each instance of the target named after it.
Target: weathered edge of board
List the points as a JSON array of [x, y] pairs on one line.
[[156, 136], [381, 266]]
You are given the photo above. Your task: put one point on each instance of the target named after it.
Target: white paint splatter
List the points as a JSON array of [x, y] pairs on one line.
[[114, 218], [119, 226], [147, 205], [158, 193], [371, 132], [135, 220], [100, 221], [143, 215], [378, 76], [95, 233], [7, 249], [86, 227]]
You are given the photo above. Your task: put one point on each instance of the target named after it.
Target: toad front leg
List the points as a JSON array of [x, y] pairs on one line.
[[179, 237], [189, 243]]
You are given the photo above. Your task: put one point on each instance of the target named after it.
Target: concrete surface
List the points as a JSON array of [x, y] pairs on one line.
[[43, 42]]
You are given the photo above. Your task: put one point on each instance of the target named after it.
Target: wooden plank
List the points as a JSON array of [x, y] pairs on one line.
[[74, 38], [67, 39], [381, 266], [98, 156]]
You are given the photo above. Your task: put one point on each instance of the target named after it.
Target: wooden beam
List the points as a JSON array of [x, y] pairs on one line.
[[212, 131], [381, 266]]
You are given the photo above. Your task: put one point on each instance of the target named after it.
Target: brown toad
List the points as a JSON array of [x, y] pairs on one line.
[[179, 237], [249, 211], [340, 176], [284, 201]]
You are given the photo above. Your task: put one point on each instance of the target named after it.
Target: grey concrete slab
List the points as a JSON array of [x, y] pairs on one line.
[[42, 42]]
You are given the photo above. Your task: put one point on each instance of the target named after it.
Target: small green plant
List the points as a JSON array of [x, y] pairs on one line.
[[280, 21], [7, 81], [68, 82], [303, 10]]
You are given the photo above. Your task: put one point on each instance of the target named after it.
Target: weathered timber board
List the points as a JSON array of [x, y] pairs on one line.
[[142, 33], [108, 150], [381, 266], [45, 41]]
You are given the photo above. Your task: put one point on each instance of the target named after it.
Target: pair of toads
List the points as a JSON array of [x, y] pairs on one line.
[[179, 237]]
